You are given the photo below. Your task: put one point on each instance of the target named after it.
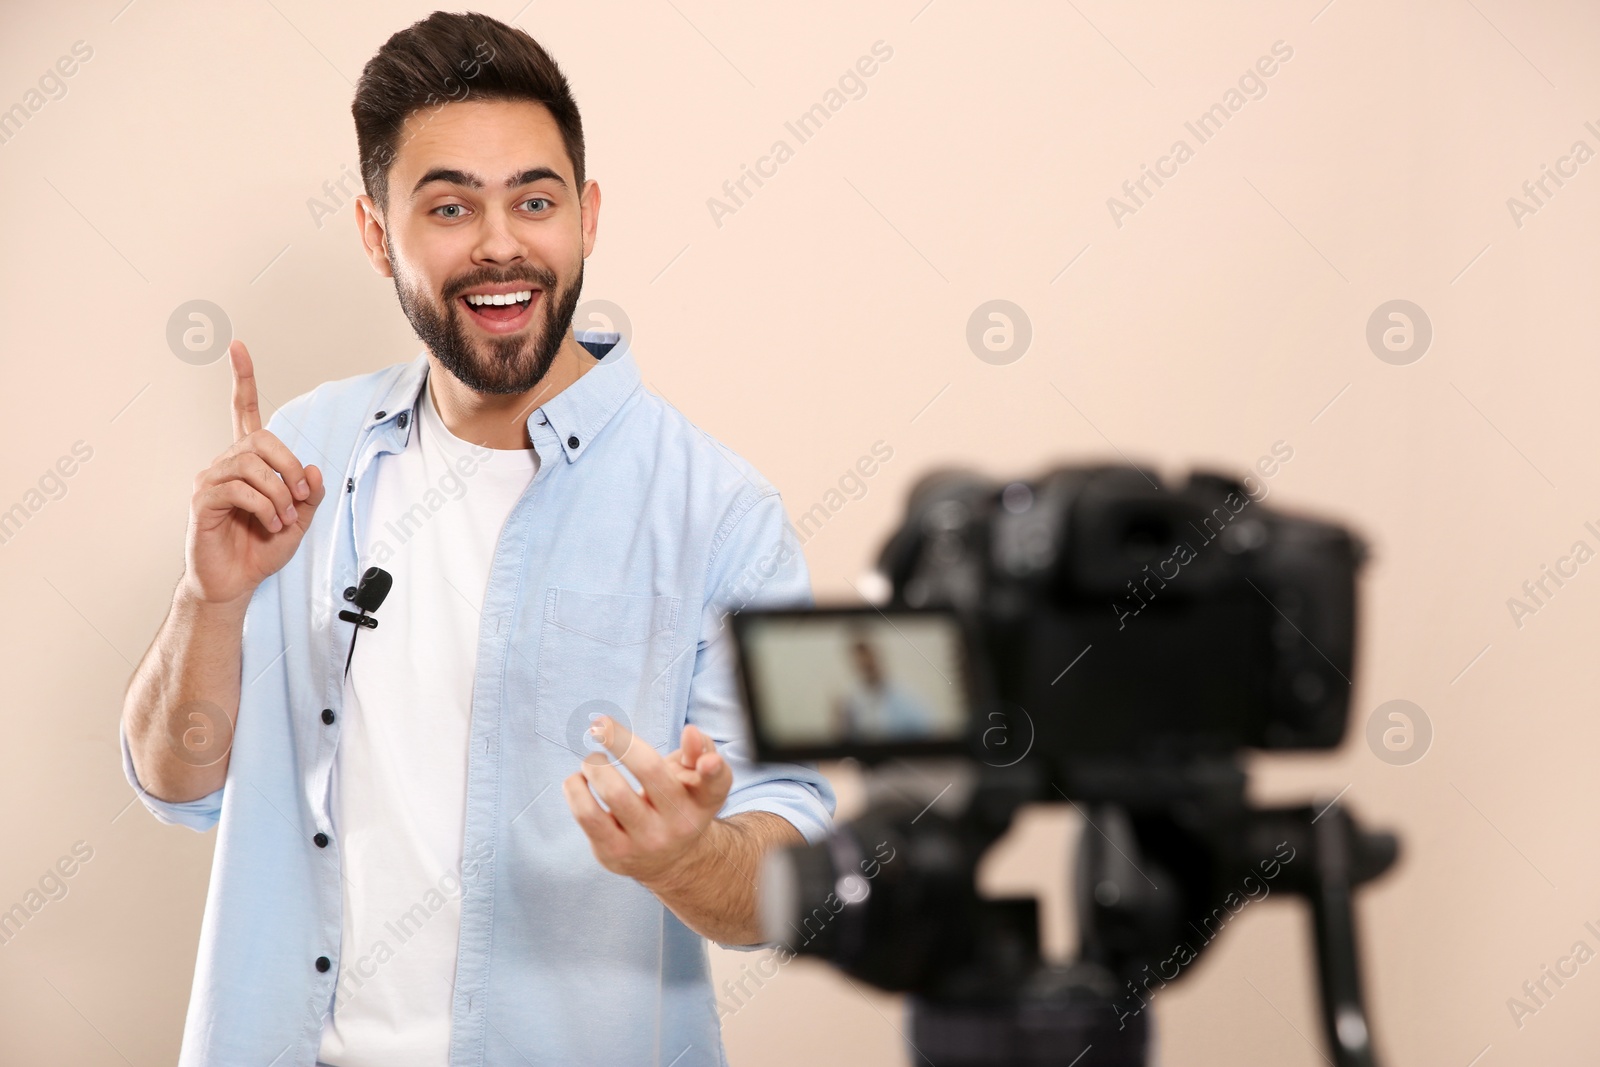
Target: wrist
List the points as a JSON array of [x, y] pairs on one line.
[[681, 870], [189, 602]]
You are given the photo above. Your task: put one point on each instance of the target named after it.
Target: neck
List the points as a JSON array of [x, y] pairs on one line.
[[501, 421]]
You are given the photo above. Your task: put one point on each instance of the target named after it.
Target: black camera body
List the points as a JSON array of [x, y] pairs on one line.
[[1132, 622], [1093, 637]]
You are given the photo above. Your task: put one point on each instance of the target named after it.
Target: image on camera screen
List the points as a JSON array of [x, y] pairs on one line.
[[820, 680]]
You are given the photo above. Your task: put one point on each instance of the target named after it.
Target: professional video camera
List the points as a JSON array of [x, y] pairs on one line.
[[1089, 637]]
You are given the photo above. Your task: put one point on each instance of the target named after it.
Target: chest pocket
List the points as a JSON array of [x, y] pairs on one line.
[[605, 654]]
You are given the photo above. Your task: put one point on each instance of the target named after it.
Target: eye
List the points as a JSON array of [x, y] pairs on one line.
[[444, 207], [537, 200]]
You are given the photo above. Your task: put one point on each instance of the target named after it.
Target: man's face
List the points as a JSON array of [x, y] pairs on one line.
[[482, 201]]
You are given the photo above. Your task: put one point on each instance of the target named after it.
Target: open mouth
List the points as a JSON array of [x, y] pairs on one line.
[[505, 313]]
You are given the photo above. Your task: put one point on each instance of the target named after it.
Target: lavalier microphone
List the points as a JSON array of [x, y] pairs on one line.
[[367, 595]]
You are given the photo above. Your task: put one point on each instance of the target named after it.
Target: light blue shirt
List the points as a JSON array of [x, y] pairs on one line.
[[610, 582], [887, 711]]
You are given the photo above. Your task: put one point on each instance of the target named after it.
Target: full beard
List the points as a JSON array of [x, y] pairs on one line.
[[497, 365]]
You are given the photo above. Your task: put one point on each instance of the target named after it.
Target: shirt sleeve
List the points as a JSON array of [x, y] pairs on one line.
[[198, 815], [202, 814], [757, 564]]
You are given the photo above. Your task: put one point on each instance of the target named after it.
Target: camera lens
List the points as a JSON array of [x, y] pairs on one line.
[[779, 897]]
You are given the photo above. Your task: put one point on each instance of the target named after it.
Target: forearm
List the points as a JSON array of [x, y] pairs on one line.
[[183, 699], [714, 889]]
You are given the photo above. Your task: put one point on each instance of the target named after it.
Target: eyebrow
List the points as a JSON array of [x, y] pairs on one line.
[[472, 181]]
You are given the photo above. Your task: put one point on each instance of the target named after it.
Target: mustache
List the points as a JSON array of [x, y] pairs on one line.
[[536, 279]]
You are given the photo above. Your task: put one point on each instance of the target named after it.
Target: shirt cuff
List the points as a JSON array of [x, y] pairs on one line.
[[198, 815], [812, 820]]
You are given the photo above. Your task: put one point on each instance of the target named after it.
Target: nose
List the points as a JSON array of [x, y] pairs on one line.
[[497, 243]]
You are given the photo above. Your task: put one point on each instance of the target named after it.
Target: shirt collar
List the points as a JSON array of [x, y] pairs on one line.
[[577, 414]]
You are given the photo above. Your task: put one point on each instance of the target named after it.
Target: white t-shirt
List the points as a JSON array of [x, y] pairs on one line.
[[399, 783]]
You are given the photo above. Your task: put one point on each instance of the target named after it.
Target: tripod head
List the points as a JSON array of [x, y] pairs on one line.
[[891, 899]]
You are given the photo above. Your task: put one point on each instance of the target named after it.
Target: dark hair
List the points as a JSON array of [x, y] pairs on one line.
[[450, 57]]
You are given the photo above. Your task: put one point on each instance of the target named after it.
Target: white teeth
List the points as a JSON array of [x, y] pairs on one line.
[[504, 298]]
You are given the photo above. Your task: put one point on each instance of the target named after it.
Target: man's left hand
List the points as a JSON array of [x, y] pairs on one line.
[[648, 835]]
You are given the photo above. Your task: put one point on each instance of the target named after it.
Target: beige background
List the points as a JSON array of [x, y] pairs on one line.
[[830, 312]]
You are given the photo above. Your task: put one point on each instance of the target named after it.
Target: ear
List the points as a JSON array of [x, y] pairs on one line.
[[589, 207], [370, 227]]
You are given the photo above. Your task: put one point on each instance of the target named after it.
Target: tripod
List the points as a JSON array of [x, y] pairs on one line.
[[1148, 881]]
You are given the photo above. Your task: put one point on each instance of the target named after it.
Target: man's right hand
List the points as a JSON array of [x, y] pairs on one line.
[[251, 507]]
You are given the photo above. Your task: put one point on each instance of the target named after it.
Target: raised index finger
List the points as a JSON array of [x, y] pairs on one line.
[[246, 408]]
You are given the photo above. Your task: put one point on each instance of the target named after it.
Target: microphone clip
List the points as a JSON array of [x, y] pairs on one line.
[[367, 595]]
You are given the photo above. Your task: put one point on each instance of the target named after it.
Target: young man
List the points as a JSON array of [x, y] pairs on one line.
[[428, 857]]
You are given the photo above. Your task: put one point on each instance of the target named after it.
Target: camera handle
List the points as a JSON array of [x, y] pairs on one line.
[[1343, 856], [1332, 856]]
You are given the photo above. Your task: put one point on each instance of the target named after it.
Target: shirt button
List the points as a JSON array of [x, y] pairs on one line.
[[327, 716], [402, 419], [349, 485], [572, 442], [321, 839], [349, 592], [380, 414], [323, 963]]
